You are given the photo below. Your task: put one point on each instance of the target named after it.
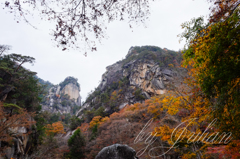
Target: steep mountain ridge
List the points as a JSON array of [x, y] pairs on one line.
[[146, 71], [63, 98]]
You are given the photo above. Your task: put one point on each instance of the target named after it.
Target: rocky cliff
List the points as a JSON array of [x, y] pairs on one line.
[[20, 139], [62, 98], [146, 71]]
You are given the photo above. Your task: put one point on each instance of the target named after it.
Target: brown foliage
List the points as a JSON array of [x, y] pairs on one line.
[[11, 119], [123, 127], [52, 147], [222, 9]]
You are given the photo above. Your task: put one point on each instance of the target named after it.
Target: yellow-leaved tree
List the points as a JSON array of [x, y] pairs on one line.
[[212, 60]]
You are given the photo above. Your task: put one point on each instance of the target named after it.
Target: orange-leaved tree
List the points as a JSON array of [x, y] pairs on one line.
[[55, 128], [212, 58]]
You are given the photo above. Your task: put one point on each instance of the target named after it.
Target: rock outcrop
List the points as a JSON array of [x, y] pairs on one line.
[[63, 97], [148, 76], [73, 91], [117, 151], [146, 71], [15, 141], [20, 138]]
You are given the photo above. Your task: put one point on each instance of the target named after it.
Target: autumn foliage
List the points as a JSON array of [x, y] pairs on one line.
[[212, 88], [13, 117], [55, 128], [209, 93]]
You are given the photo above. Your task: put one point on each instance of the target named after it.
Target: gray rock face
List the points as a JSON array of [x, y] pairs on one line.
[[114, 71], [148, 76], [144, 74], [135, 79], [73, 91], [20, 139], [62, 98], [117, 151], [85, 106]]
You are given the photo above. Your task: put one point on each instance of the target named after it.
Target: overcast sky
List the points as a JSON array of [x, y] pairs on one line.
[[55, 65]]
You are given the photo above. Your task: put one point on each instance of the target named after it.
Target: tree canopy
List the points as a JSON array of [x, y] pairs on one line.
[[80, 19], [18, 85], [19, 98], [76, 144], [213, 56]]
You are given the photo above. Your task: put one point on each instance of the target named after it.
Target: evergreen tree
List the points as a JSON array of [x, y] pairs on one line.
[[76, 144]]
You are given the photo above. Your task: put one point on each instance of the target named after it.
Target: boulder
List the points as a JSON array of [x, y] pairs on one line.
[[117, 151]]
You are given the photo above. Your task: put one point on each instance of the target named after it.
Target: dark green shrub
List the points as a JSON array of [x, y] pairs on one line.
[[138, 94], [99, 112], [75, 122], [64, 103], [76, 144]]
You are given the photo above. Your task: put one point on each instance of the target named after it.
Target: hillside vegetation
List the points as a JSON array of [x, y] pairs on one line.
[[162, 103]]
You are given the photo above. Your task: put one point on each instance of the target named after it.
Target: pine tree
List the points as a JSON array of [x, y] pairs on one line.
[[76, 144]]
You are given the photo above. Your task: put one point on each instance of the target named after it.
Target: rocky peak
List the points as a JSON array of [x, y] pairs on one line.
[[146, 71], [63, 98], [130, 51]]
